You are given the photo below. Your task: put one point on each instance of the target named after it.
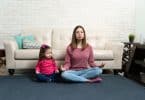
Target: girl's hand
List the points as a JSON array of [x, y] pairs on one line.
[[57, 71], [102, 65], [62, 68], [37, 72]]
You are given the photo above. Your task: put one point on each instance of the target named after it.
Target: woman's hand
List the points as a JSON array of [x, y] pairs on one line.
[[62, 68], [102, 65]]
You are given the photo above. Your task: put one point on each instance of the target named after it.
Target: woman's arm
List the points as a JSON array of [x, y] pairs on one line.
[[91, 61]]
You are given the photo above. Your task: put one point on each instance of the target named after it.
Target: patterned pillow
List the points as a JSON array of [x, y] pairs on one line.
[[28, 44], [19, 39]]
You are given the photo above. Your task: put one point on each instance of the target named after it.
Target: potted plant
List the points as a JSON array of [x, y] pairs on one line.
[[131, 38]]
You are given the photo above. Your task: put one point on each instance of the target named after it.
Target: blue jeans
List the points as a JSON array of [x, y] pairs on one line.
[[81, 75], [45, 78]]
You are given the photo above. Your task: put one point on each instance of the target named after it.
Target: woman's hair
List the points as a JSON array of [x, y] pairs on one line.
[[73, 43], [43, 49]]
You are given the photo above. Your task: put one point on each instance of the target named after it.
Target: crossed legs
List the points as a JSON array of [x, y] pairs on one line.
[[81, 75]]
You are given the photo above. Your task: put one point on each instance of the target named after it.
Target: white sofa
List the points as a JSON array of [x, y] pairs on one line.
[[107, 51]]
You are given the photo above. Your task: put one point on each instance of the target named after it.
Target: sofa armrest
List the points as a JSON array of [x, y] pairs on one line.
[[117, 48], [10, 47]]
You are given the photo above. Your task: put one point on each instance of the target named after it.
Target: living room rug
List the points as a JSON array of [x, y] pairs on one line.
[[113, 87]]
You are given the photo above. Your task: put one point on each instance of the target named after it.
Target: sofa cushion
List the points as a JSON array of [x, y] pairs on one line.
[[61, 38], [98, 44], [59, 54], [103, 55], [27, 54], [34, 54], [96, 40]]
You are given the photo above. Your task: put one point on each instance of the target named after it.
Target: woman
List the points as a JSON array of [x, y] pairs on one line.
[[79, 63]]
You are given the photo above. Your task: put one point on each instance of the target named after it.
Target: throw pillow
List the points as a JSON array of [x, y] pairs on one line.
[[19, 39], [29, 37], [28, 44]]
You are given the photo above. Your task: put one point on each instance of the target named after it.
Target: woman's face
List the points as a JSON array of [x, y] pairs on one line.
[[79, 34]]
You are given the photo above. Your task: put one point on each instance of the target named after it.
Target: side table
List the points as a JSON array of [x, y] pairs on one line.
[[138, 64], [2, 54], [128, 53]]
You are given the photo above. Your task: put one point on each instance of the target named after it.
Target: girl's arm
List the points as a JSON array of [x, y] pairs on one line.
[[56, 67], [37, 68]]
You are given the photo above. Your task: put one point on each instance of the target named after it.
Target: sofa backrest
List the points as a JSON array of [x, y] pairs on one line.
[[43, 35], [95, 39], [61, 38]]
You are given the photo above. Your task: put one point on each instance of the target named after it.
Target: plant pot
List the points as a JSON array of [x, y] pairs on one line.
[[131, 40]]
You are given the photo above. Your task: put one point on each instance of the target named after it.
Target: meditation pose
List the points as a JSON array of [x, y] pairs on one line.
[[79, 65], [46, 68]]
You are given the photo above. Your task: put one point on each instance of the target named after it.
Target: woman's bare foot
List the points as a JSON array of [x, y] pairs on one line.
[[96, 80]]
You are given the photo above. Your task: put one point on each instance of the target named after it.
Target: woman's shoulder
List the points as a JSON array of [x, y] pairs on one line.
[[89, 46], [69, 48]]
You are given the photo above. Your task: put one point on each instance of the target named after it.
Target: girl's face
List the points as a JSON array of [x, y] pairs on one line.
[[48, 53], [79, 34]]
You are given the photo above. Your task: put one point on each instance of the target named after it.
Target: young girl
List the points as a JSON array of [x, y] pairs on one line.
[[46, 67]]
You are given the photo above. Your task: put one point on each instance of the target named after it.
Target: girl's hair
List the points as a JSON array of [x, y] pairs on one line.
[[73, 43], [43, 49]]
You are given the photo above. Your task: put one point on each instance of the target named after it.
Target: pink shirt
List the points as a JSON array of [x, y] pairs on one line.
[[77, 59], [46, 66]]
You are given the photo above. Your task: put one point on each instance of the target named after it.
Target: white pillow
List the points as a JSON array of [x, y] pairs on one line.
[[28, 44]]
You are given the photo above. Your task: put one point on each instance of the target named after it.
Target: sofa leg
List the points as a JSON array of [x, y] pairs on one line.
[[11, 71]]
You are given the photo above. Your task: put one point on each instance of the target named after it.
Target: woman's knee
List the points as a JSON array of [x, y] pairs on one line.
[[64, 74], [98, 70]]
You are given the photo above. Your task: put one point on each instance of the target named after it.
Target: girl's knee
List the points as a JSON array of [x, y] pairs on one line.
[[41, 78]]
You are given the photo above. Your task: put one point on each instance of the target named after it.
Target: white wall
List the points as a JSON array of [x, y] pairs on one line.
[[140, 18], [113, 17]]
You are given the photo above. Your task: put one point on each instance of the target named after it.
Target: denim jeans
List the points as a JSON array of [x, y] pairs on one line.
[[45, 78], [81, 75]]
